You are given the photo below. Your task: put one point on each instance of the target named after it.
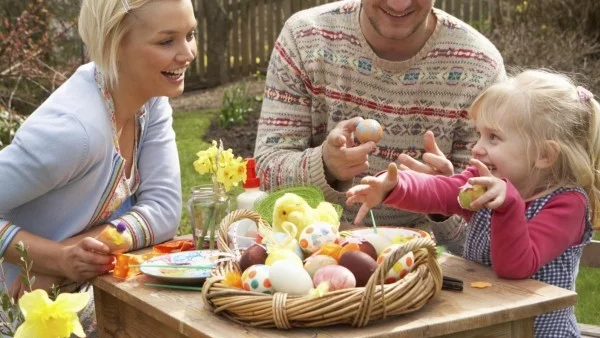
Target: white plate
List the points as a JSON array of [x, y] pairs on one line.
[[185, 258], [393, 233]]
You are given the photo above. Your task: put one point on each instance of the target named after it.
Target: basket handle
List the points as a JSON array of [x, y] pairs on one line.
[[232, 217], [378, 277]]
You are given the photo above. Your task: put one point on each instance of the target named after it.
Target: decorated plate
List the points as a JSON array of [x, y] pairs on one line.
[[185, 267], [395, 234]]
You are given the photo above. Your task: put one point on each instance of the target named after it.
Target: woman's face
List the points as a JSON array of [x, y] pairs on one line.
[[158, 48]]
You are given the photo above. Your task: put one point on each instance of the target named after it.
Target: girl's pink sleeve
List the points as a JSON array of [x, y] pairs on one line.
[[520, 247], [430, 194]]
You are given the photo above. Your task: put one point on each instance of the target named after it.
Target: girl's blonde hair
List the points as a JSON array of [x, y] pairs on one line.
[[544, 106], [102, 26]]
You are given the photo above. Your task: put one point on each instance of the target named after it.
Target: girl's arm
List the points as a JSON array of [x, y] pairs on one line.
[[519, 248], [430, 194]]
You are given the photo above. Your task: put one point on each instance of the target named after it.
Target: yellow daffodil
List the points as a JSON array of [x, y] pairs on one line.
[[227, 169], [47, 318]]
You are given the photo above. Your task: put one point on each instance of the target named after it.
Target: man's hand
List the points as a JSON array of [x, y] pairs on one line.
[[434, 160], [371, 191], [341, 159]]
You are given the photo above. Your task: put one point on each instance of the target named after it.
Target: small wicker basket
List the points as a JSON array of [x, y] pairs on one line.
[[357, 306]]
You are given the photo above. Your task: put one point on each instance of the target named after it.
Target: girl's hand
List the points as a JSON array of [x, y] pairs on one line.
[[434, 160], [86, 259], [372, 191], [496, 188]]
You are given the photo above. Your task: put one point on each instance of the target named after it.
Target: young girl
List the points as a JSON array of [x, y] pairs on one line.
[[538, 155]]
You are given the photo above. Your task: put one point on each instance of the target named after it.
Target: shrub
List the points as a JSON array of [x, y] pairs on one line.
[[557, 34], [9, 123], [236, 105]]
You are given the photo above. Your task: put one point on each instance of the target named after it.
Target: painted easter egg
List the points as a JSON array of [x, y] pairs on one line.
[[401, 268], [360, 264], [317, 234], [315, 262], [256, 278], [336, 276], [368, 130]]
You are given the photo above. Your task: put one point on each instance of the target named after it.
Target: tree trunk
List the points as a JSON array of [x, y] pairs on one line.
[[218, 24]]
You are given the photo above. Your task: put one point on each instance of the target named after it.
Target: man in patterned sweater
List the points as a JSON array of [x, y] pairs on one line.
[[403, 63]]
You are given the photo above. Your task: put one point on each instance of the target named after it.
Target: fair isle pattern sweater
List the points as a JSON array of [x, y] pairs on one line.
[[323, 71]]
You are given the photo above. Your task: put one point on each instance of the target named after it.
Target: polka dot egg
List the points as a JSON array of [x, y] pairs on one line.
[[256, 278], [317, 234], [401, 268], [368, 130]]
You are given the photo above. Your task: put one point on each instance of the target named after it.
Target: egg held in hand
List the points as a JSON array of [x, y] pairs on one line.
[[118, 239], [368, 130], [469, 193]]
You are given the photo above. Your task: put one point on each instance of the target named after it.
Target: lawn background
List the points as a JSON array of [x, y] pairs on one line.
[[190, 128]]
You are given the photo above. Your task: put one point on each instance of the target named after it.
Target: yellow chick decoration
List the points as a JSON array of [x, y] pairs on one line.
[[293, 208]]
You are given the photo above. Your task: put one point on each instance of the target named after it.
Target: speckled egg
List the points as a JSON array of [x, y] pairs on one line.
[[256, 278], [401, 268], [368, 130], [317, 234]]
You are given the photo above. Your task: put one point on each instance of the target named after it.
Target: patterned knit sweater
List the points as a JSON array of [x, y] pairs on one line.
[[323, 71]]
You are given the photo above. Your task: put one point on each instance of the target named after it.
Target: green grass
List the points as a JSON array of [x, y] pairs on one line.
[[190, 128]]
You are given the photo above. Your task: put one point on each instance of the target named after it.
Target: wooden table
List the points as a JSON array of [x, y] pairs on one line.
[[506, 309]]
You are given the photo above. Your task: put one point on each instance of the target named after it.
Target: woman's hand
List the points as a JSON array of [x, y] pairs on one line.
[[372, 190], [86, 259], [434, 160], [496, 188]]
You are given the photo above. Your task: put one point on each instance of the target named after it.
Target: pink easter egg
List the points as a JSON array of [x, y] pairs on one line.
[[337, 276]]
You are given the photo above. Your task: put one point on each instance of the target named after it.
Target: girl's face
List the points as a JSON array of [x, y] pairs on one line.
[[159, 47], [504, 151]]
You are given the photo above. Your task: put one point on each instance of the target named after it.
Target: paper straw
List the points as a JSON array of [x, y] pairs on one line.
[[373, 221], [177, 287]]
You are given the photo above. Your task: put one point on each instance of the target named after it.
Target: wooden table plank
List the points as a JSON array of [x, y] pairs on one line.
[[503, 310]]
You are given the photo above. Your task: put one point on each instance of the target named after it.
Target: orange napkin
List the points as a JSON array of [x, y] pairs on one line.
[[124, 261]]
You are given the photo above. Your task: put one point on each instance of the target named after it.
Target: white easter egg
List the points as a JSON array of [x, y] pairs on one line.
[[379, 241], [256, 278], [290, 278], [316, 234]]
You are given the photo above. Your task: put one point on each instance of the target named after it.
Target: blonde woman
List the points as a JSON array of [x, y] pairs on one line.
[[101, 149], [538, 154]]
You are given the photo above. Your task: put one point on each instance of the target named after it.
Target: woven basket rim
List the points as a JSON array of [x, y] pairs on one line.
[[374, 301]]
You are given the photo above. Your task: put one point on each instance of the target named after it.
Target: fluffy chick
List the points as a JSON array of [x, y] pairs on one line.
[[293, 208]]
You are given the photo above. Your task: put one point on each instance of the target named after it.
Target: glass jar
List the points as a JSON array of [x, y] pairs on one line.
[[207, 206]]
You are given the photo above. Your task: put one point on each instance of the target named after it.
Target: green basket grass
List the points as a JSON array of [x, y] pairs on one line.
[[311, 194]]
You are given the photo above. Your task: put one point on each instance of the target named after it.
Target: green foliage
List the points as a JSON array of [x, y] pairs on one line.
[[588, 296], [10, 307], [236, 105], [9, 123]]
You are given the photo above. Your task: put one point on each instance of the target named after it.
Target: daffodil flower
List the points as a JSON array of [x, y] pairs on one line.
[[227, 169], [47, 318]]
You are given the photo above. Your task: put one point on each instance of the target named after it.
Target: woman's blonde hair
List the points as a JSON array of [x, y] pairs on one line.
[[544, 106], [102, 26]]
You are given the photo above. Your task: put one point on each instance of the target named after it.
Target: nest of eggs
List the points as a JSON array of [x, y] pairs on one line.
[[354, 306]]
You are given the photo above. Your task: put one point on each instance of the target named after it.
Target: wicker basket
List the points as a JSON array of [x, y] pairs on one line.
[[357, 306]]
